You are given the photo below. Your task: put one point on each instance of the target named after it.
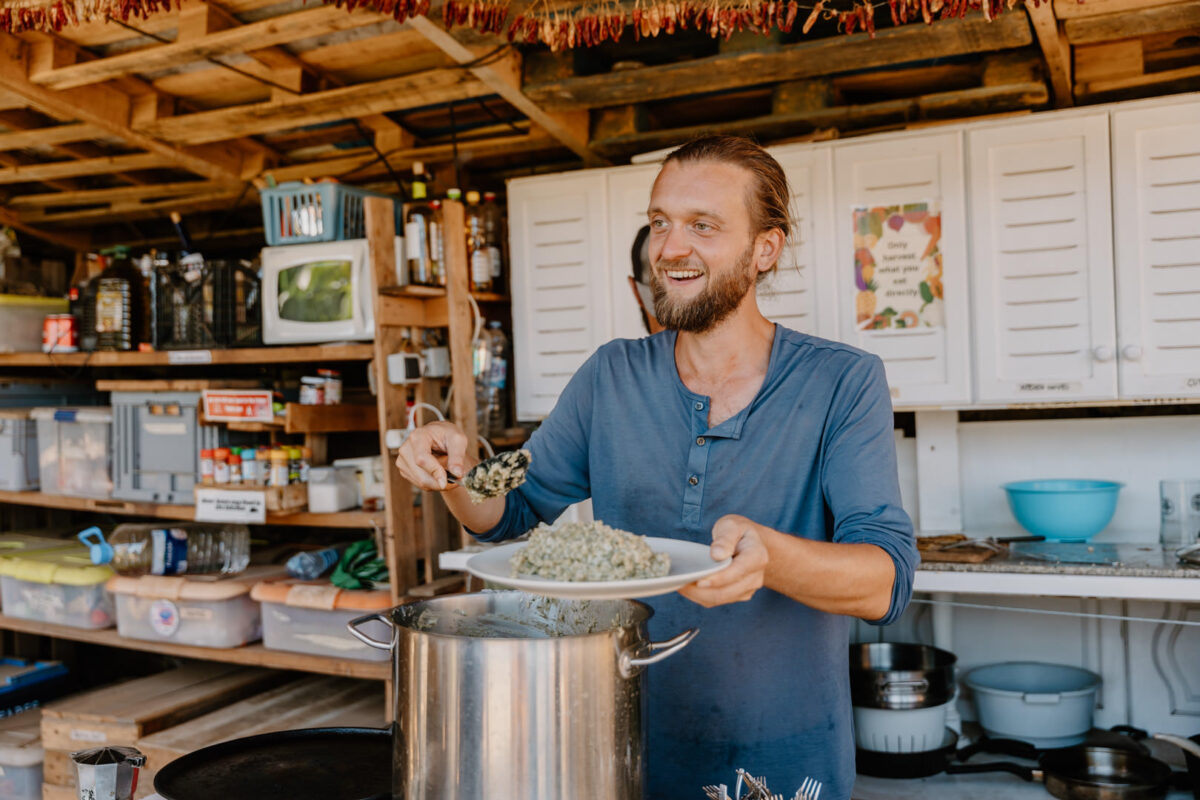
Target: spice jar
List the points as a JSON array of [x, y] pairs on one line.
[[206, 467], [221, 466], [235, 468], [294, 454], [332, 380], [279, 467], [305, 463], [249, 467]]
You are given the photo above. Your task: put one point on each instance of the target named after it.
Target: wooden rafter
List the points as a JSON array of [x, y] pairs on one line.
[[1134, 22], [111, 111], [1055, 50], [120, 194], [72, 241], [51, 136], [828, 56], [12, 161], [406, 91], [1073, 9], [84, 166], [255, 36], [133, 209], [504, 78], [31, 122]]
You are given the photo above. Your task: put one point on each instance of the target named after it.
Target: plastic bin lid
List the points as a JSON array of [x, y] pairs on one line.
[[320, 595], [33, 302], [74, 414], [17, 544], [201, 588], [21, 740], [66, 566], [17, 673]]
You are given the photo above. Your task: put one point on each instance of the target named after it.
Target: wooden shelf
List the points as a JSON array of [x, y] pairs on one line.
[[343, 519], [424, 292], [249, 355], [252, 655], [342, 418]]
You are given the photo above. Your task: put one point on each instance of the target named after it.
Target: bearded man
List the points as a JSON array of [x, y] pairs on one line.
[[772, 446]]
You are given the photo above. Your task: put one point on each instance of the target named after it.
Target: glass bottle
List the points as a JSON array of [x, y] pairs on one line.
[[493, 234], [416, 231], [120, 304], [437, 253], [478, 256]]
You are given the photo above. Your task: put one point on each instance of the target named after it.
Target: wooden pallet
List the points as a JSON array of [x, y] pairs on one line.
[[123, 713]]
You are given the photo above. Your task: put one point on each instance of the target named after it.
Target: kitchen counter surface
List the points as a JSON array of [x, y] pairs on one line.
[[1122, 560]]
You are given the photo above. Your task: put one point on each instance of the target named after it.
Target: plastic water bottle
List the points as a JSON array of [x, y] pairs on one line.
[[190, 547], [312, 564], [496, 383]]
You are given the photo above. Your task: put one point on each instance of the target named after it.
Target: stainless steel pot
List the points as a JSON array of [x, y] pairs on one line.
[[900, 676], [511, 695]]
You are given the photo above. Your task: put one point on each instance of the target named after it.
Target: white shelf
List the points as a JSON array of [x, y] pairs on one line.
[[989, 786], [1125, 587]]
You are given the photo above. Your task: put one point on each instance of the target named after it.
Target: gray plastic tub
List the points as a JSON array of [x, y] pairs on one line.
[[1047, 705]]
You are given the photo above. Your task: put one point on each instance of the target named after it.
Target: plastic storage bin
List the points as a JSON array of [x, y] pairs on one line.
[[60, 586], [25, 685], [300, 213], [204, 613], [311, 618], [18, 450], [75, 450], [157, 439], [23, 317], [21, 757]]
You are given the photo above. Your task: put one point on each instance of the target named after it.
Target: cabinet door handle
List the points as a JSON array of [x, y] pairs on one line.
[[1131, 352], [1103, 353]]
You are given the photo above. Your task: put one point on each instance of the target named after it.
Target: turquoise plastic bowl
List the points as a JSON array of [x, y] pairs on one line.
[[1063, 510]]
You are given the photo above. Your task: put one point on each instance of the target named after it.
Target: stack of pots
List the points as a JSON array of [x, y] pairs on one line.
[[900, 693]]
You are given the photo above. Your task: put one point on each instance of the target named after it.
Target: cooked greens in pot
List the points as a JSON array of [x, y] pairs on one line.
[[588, 551]]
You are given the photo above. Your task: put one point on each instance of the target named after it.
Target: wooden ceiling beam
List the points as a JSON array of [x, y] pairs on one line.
[[48, 137], [364, 99], [255, 36], [504, 78], [1055, 50], [14, 162], [1134, 22], [72, 241], [111, 111], [129, 210], [86, 166], [829, 56], [1073, 9], [84, 197]]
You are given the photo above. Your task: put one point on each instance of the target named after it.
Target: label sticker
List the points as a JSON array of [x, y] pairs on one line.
[[189, 356], [164, 618], [230, 505]]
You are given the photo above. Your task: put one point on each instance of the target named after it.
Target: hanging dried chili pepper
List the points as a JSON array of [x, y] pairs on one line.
[[868, 13], [812, 16]]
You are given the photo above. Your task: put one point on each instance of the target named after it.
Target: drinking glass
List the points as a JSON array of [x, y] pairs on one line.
[[1180, 511]]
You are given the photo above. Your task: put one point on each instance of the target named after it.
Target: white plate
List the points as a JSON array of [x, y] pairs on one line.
[[690, 562]]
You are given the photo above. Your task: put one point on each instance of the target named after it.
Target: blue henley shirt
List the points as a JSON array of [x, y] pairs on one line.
[[765, 685]]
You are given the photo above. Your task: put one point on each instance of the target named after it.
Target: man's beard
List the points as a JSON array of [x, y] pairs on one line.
[[706, 310]]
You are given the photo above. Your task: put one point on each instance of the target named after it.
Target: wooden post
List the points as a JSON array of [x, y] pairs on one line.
[[391, 400], [462, 322]]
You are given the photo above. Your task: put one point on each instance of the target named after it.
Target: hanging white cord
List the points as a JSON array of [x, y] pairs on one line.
[[412, 414], [1049, 612]]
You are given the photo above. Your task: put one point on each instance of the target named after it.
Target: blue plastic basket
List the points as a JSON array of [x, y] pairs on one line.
[[300, 213]]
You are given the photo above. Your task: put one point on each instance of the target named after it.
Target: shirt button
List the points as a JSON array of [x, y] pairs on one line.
[[693, 480], [699, 406], [700, 441]]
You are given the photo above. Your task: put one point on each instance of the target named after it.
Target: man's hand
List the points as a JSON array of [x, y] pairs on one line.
[[735, 536], [430, 452]]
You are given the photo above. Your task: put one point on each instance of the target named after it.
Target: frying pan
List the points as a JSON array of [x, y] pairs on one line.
[[1086, 772], [325, 763]]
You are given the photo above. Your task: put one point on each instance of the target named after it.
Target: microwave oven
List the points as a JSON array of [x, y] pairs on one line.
[[321, 292]]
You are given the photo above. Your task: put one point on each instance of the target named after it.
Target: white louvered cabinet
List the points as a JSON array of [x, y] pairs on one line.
[[800, 295], [1156, 164], [560, 296], [1041, 260], [927, 364]]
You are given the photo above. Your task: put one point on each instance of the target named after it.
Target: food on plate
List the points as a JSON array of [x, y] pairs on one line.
[[588, 551], [497, 476]]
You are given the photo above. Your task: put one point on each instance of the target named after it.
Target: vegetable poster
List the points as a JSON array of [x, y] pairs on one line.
[[898, 267]]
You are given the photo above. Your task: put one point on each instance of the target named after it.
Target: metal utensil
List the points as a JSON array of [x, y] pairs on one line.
[[994, 543], [809, 790]]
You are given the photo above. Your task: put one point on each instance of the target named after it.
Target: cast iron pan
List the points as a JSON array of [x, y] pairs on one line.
[[324, 763]]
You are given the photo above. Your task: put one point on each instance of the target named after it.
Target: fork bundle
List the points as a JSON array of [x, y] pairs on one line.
[[757, 789]]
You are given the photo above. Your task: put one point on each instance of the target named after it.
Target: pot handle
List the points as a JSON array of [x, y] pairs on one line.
[[353, 624], [631, 665], [1022, 772], [906, 687], [1186, 745], [1035, 699]]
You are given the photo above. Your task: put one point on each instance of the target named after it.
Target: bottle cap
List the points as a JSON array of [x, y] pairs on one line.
[[100, 551], [294, 452], [418, 168], [235, 459], [221, 452], [248, 454], [206, 453], [435, 203], [454, 194], [489, 196], [494, 323], [472, 197]]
